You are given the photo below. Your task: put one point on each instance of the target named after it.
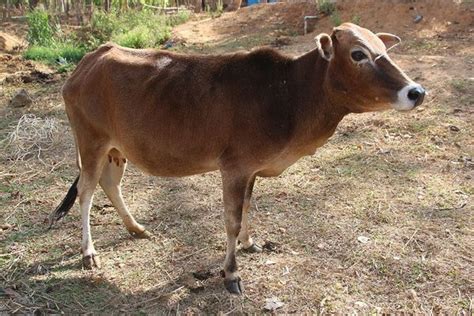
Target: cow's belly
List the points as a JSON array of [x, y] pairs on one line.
[[278, 166], [287, 158], [164, 165], [175, 159]]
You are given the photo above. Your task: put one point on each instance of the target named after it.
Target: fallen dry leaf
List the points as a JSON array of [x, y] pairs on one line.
[[363, 239], [273, 303]]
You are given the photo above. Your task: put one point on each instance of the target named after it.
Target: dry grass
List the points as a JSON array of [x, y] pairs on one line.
[[30, 137], [403, 181]]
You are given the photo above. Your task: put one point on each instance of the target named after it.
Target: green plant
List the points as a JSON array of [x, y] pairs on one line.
[[138, 37], [142, 37], [55, 54], [220, 6], [133, 28], [179, 18], [326, 6], [215, 10], [335, 18], [103, 25], [356, 19], [40, 31]]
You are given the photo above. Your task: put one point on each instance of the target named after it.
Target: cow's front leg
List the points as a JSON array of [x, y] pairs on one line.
[[248, 245], [234, 187]]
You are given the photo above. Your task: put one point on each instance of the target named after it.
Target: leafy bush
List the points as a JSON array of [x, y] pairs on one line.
[[179, 18], [336, 19], [135, 29], [356, 19], [326, 7], [142, 37], [40, 31], [103, 25]]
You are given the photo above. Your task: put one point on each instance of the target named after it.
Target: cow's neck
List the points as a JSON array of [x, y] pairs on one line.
[[318, 110]]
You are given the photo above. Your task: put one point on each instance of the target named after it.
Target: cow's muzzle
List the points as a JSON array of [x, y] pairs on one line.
[[417, 95], [410, 96]]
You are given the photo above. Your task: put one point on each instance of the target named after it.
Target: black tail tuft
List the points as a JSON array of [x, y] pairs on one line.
[[65, 205]]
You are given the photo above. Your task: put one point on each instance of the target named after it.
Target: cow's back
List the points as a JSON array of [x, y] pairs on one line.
[[177, 108]]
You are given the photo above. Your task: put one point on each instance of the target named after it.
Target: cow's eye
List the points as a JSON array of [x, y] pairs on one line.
[[358, 55]]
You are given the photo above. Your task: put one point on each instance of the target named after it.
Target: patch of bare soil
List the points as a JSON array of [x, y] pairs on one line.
[[10, 43], [378, 221], [265, 24], [252, 24]]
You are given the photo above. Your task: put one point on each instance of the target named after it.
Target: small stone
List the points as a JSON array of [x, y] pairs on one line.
[[454, 128], [412, 294], [6, 226], [363, 239], [361, 304], [21, 99]]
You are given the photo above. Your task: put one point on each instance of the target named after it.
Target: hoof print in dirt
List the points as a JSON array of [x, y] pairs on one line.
[[203, 275], [21, 99], [270, 246], [192, 283]]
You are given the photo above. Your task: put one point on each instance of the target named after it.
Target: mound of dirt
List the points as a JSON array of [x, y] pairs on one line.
[[10, 43], [406, 18], [16, 69], [400, 16], [284, 18]]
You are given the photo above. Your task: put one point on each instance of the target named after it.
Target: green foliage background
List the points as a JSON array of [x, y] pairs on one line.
[[132, 28]]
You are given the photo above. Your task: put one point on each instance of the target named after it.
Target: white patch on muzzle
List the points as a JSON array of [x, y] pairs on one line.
[[403, 102]]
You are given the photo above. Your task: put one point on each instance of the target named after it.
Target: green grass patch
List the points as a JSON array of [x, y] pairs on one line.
[[326, 7], [134, 29], [63, 56], [142, 37], [54, 54], [462, 85]]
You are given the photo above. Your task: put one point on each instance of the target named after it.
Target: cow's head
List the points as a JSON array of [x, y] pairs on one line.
[[361, 71]]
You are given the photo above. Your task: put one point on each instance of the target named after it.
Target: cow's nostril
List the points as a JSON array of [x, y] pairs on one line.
[[417, 94]]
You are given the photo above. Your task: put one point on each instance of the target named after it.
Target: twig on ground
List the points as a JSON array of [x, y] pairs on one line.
[[191, 254]]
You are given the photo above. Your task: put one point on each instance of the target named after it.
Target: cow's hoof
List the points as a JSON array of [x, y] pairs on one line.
[[254, 248], [234, 286], [90, 262], [141, 235]]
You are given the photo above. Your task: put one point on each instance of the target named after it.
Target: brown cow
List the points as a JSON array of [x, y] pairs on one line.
[[246, 114]]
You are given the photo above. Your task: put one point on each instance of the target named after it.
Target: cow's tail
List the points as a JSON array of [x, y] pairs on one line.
[[65, 205]]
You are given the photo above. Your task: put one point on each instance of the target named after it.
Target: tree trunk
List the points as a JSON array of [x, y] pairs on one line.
[[107, 5], [33, 4], [6, 12], [79, 5]]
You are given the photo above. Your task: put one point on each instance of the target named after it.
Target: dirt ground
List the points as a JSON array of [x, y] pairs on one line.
[[379, 220]]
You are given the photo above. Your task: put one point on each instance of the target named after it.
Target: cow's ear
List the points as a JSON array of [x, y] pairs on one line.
[[389, 40], [324, 44]]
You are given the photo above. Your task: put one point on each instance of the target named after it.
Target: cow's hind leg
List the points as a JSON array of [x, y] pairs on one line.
[[244, 238], [110, 181], [234, 187], [92, 163]]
